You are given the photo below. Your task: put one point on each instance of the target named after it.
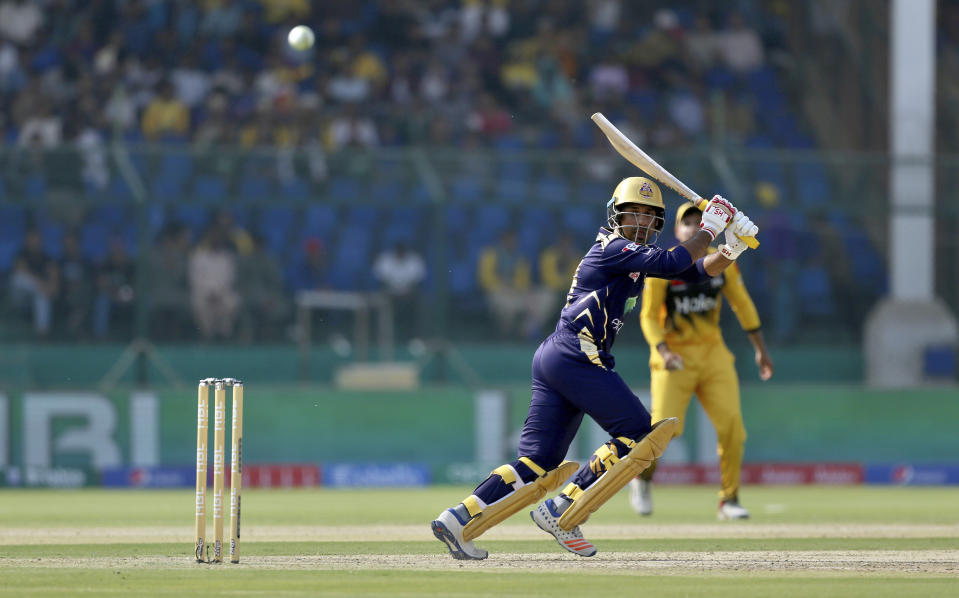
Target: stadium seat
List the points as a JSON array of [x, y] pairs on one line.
[[209, 188], [815, 292], [466, 189], [193, 217], [551, 188], [295, 189], [275, 226], [342, 188]]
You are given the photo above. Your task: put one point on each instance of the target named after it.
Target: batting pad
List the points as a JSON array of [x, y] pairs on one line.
[[647, 450], [527, 495]]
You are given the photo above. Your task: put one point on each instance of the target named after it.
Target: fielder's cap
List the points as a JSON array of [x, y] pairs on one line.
[[681, 212]]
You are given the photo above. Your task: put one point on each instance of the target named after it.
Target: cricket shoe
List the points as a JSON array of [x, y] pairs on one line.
[[547, 519], [731, 509], [449, 530], [641, 496]]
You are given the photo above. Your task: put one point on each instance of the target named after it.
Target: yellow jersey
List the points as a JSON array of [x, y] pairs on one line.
[[680, 312]]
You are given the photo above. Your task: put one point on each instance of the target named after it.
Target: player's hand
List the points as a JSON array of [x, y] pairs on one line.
[[719, 211], [672, 361], [765, 364], [741, 226]]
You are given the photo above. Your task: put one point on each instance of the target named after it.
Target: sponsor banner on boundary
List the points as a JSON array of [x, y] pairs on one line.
[[280, 475], [912, 475], [273, 475], [375, 475], [47, 477], [148, 477], [766, 474]]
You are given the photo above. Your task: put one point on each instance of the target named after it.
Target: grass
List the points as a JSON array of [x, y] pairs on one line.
[[90, 556]]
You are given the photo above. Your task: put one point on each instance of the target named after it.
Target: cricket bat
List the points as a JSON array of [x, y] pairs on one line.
[[641, 160]]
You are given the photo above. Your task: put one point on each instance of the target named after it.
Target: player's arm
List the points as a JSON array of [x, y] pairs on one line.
[[651, 321], [745, 310]]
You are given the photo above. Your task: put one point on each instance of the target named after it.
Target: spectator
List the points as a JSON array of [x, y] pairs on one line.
[[165, 115], [115, 293], [264, 304], [34, 282], [700, 44], [401, 270], [213, 295], [352, 129], [168, 288], [20, 20], [312, 271], [226, 227], [75, 289], [518, 307], [739, 46], [558, 263]]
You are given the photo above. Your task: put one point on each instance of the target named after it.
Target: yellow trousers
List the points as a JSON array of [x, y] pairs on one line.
[[709, 373]]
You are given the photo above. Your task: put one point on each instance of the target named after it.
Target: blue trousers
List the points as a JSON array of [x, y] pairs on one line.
[[567, 385]]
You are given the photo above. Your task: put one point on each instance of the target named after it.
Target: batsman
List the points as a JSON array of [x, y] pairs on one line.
[[573, 375], [687, 355]]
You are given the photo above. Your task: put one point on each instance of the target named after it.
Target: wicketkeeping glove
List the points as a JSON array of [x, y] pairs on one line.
[[719, 211], [741, 226]]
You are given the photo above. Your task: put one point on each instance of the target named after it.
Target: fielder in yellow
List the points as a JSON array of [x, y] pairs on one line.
[[680, 320]]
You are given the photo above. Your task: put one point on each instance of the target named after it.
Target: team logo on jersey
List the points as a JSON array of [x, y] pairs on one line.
[[617, 324], [631, 247]]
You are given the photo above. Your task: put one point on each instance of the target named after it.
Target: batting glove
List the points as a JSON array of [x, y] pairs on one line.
[[719, 211], [741, 226]]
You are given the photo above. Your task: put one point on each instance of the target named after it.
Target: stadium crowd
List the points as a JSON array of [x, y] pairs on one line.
[[213, 105]]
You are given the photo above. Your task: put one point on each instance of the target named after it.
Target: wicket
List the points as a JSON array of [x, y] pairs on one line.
[[236, 467]]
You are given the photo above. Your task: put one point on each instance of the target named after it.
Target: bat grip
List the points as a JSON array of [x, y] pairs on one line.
[[751, 242]]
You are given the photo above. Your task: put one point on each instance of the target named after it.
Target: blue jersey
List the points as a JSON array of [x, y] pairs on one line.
[[606, 284]]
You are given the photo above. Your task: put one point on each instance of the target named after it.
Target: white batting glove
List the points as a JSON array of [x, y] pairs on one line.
[[741, 226], [719, 211]]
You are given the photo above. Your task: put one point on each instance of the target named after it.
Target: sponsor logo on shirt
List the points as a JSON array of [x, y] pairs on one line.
[[617, 324], [634, 276], [698, 304], [631, 247]]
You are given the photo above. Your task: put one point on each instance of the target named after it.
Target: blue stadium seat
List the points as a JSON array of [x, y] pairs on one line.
[[342, 188], [171, 176], [812, 185], [551, 188], [594, 193], [350, 266], [94, 240], [407, 224], [275, 226], [35, 187], [387, 192], [490, 221], [295, 189], [583, 222], [13, 224], [209, 188], [719, 77], [466, 189], [419, 194], [52, 233], [319, 220], [363, 215], [193, 217], [256, 187], [815, 292]]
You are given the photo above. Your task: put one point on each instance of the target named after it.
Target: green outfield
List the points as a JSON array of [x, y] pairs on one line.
[[808, 541]]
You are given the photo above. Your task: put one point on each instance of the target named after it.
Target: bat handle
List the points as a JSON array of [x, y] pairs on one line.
[[751, 242]]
